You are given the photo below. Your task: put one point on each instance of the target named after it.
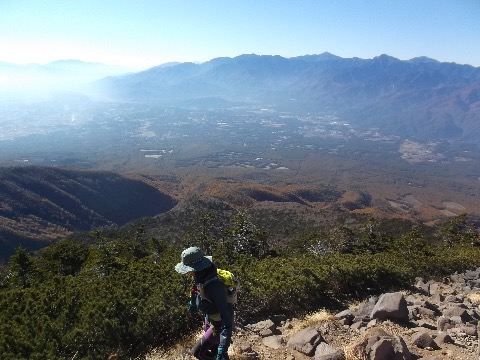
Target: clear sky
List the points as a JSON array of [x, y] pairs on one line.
[[144, 33]]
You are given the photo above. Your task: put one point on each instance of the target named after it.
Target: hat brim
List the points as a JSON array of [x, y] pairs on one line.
[[199, 265]]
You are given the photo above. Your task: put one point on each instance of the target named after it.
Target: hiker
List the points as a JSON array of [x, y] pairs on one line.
[[209, 296]]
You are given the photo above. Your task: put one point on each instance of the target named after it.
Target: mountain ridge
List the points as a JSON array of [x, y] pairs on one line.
[[378, 92]]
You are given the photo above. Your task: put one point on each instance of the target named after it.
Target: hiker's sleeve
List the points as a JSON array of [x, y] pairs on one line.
[[225, 310]]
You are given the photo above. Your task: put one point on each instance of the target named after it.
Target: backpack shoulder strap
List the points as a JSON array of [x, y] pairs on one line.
[[210, 280], [201, 287]]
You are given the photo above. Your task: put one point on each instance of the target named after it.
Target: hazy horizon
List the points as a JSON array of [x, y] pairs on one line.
[[140, 35], [60, 75], [171, 63]]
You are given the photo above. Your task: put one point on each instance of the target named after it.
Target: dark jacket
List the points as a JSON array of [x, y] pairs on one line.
[[215, 302]]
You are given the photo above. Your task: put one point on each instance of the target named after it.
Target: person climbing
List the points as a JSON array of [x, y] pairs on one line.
[[208, 295]]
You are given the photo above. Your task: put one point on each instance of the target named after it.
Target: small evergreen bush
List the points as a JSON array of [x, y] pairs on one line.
[[122, 296]]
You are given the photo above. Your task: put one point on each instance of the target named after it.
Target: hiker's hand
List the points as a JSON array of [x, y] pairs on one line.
[[222, 355]]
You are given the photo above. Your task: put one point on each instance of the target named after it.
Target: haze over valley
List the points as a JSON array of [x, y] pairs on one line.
[[381, 137]]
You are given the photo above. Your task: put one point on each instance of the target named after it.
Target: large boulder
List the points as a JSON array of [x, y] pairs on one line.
[[325, 351], [389, 348], [305, 341], [391, 306]]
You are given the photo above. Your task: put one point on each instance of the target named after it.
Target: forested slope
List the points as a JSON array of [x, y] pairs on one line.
[[121, 296], [39, 204]]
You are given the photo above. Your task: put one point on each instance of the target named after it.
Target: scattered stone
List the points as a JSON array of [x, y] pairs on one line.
[[447, 330]]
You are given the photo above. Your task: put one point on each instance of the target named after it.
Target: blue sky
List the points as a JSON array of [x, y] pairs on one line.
[[144, 33]]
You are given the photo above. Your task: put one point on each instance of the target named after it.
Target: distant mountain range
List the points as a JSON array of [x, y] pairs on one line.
[[418, 98]]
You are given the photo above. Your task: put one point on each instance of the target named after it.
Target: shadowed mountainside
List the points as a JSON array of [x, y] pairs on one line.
[[420, 98], [42, 204]]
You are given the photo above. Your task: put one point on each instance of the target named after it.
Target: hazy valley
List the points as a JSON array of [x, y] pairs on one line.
[[380, 137]]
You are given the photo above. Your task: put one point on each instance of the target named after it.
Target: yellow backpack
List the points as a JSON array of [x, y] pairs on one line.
[[230, 281]]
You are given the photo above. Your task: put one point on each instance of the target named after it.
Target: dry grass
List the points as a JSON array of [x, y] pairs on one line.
[[312, 319], [474, 298], [180, 351]]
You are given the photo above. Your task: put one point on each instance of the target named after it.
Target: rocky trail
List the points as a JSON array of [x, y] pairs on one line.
[[434, 320]]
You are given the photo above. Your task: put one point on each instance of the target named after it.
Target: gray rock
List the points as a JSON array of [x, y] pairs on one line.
[[426, 312], [244, 347], [382, 350], [345, 314], [443, 323], [435, 289], [453, 299], [437, 298], [457, 310], [305, 341], [443, 338], [389, 348], [472, 275], [364, 311], [346, 322], [358, 325], [262, 325], [423, 340], [325, 351], [273, 342], [426, 325], [431, 306], [422, 286], [470, 330], [265, 332], [392, 306]]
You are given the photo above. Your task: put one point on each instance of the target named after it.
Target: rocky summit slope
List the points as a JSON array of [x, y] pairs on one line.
[[434, 320]]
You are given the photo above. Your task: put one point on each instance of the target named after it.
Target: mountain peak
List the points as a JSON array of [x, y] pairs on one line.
[[423, 60], [328, 56], [385, 58]]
